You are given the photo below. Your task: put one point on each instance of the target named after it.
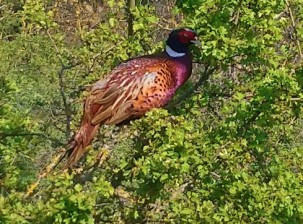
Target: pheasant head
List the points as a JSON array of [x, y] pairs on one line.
[[179, 41]]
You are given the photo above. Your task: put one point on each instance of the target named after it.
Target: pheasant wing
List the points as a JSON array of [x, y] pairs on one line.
[[130, 92]]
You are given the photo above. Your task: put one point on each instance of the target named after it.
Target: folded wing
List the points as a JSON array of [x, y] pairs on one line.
[[130, 93]]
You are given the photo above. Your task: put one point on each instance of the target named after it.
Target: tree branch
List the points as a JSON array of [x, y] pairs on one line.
[[131, 6], [66, 105], [295, 30], [16, 134], [60, 73], [243, 128]]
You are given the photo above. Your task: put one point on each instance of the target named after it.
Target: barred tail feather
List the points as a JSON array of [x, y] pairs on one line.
[[77, 146]]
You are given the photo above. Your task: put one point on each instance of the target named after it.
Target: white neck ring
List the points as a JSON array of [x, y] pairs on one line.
[[173, 53]]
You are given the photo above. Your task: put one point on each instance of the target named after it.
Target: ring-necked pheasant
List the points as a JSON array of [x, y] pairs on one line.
[[133, 88]]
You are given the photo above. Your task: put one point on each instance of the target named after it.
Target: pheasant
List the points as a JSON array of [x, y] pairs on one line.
[[133, 88]]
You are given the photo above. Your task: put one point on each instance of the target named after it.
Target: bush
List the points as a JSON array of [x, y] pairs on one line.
[[228, 149]]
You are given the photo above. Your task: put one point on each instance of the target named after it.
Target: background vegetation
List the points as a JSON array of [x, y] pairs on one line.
[[228, 149]]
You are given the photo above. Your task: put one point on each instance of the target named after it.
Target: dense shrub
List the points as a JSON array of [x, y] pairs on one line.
[[228, 149]]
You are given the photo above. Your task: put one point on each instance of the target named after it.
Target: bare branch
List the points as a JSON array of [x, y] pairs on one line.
[[47, 170], [244, 127], [131, 6], [295, 30], [87, 174], [17, 134], [60, 73], [164, 28], [67, 107]]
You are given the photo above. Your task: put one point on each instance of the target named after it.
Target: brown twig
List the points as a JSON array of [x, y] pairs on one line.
[[175, 194], [164, 28], [53, 42], [87, 174], [293, 23], [67, 108], [16, 134], [130, 25], [47, 170], [244, 127], [94, 58]]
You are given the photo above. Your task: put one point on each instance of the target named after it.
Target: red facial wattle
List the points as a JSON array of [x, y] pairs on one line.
[[186, 36]]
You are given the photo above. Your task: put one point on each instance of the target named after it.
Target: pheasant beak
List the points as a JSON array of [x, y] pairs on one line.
[[196, 41]]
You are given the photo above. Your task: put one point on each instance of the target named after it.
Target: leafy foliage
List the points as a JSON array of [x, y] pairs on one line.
[[228, 149]]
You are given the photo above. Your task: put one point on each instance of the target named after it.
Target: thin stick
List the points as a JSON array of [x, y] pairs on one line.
[[294, 27], [47, 170]]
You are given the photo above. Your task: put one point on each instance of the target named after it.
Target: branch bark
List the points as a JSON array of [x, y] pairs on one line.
[[67, 107], [293, 23], [244, 127], [17, 134], [131, 6]]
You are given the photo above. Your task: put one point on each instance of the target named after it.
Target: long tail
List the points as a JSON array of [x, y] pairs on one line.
[[77, 146], [75, 150]]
